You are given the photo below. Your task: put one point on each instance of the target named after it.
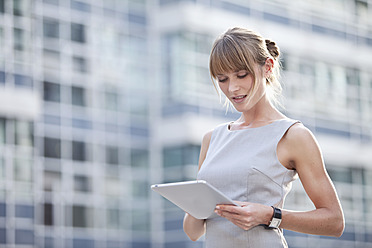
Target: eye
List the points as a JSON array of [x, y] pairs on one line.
[[221, 80], [242, 75]]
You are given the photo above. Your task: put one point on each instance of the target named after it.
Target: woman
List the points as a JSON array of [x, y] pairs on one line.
[[254, 159]]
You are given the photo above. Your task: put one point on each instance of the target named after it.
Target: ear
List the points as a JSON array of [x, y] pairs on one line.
[[269, 65]]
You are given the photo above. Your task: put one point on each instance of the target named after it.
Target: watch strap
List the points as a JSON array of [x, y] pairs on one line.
[[276, 219]]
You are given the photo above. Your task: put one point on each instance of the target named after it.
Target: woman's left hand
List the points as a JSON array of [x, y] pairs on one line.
[[247, 216]]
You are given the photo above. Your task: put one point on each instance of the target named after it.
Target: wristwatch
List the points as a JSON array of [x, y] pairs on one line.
[[277, 218]]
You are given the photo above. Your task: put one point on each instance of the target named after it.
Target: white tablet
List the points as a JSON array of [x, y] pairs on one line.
[[197, 198]]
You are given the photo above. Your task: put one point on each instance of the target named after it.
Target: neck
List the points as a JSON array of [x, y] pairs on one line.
[[263, 111]]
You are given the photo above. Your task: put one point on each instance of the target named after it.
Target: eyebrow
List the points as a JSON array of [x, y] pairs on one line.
[[234, 73]]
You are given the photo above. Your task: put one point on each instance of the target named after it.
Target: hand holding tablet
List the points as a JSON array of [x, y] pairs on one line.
[[198, 198]]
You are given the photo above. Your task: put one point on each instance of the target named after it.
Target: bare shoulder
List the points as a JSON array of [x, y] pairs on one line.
[[298, 134], [205, 143], [207, 138], [204, 147], [301, 146]]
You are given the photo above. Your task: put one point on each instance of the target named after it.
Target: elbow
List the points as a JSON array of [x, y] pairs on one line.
[[338, 226], [194, 228], [193, 238], [192, 235]]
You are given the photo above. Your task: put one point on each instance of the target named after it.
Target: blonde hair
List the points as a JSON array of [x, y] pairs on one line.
[[242, 49]]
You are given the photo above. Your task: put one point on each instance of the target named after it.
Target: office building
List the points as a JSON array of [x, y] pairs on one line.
[[101, 98], [74, 123], [325, 47]]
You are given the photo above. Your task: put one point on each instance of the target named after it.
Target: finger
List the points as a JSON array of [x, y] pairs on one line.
[[241, 203], [228, 208], [230, 216], [234, 209], [240, 224]]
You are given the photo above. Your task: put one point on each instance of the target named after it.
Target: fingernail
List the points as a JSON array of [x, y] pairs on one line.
[[218, 207]]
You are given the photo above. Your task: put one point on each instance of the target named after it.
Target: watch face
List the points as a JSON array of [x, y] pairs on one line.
[[275, 222]]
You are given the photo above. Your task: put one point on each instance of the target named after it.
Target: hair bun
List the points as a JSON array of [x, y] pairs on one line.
[[272, 48]]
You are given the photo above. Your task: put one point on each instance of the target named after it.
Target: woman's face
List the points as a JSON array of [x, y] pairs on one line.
[[237, 87]]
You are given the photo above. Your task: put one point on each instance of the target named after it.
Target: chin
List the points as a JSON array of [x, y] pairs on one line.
[[241, 109]]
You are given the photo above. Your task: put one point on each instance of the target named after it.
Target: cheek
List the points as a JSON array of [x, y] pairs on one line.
[[249, 83], [223, 87]]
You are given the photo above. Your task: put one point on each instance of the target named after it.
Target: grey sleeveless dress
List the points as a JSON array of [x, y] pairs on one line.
[[243, 164]]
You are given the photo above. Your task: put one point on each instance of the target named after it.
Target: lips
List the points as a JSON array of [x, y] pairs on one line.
[[239, 99]]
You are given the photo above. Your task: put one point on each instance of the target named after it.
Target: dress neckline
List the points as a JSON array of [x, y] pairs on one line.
[[253, 128]]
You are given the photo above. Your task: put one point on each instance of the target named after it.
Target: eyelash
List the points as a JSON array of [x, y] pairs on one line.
[[240, 77]]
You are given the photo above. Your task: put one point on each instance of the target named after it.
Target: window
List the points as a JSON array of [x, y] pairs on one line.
[[2, 130], [82, 243], [54, 2], [339, 174], [17, 7], [22, 80], [140, 220], [2, 6], [113, 218], [112, 155], [51, 59], [2, 40], [82, 183], [22, 169], [24, 131], [49, 242], [111, 100], [52, 92], [184, 155], [78, 96], [2, 209], [81, 216], [113, 186], [24, 211], [79, 64], [78, 151], [140, 188], [137, 18], [3, 236], [361, 8], [84, 7], [51, 28], [24, 237], [2, 170], [48, 214], [78, 32], [139, 158], [52, 181], [18, 39], [2, 73], [52, 148]]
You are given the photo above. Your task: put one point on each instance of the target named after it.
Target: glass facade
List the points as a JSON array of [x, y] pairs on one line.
[[330, 93], [125, 96], [66, 176]]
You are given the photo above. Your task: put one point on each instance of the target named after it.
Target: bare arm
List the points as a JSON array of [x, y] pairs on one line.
[[302, 153], [327, 218], [195, 228]]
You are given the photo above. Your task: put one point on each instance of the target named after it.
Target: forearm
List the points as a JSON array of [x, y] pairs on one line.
[[194, 228], [321, 221]]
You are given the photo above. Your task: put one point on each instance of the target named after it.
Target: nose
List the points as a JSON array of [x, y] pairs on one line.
[[234, 86]]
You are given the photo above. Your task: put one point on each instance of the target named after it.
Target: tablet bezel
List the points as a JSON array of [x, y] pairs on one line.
[[198, 198]]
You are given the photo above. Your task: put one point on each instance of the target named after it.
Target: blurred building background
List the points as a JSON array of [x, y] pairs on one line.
[[99, 99]]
